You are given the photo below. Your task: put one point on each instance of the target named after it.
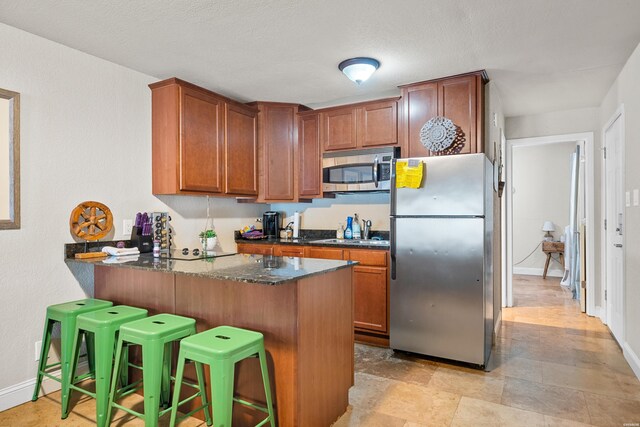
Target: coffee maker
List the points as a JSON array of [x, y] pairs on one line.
[[271, 224]]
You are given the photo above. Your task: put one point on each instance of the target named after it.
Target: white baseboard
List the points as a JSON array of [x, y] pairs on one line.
[[599, 313], [20, 393], [528, 271], [632, 358]]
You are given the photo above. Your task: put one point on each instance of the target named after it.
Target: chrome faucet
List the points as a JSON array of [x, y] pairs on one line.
[[366, 230]]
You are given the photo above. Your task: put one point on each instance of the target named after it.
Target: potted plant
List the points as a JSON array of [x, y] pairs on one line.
[[208, 239]]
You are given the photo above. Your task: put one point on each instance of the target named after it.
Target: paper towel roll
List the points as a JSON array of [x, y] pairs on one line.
[[296, 225]]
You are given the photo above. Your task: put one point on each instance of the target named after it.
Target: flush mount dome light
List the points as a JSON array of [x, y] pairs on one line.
[[359, 69]]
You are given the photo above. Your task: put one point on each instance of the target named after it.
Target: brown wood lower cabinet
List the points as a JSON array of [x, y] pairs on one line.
[[370, 298], [255, 248], [289, 250], [370, 283]]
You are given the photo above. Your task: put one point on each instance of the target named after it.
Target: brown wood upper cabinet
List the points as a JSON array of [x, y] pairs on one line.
[[367, 124], [278, 151], [202, 142], [309, 182], [459, 98]]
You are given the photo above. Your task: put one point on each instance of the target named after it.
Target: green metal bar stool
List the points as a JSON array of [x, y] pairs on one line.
[[66, 314], [104, 326], [155, 335], [221, 348]]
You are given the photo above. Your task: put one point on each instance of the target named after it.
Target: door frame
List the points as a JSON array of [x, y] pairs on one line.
[[587, 139], [603, 314]]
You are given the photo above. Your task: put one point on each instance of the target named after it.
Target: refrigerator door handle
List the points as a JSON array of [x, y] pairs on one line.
[[392, 206], [392, 249]]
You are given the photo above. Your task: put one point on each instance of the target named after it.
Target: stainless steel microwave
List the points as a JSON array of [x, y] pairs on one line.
[[358, 170]]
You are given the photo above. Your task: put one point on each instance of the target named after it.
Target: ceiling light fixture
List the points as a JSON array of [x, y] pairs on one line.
[[359, 69]]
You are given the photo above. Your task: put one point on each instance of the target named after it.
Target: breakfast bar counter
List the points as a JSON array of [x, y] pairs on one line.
[[303, 306]]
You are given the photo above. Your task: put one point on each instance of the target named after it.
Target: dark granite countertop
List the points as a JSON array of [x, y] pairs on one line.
[[266, 270], [311, 238], [315, 242]]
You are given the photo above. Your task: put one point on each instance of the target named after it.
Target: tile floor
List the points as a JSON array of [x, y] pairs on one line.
[[551, 366]]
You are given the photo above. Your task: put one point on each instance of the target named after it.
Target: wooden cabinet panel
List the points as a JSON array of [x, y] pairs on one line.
[[420, 105], [378, 124], [458, 98], [288, 250], [201, 141], [457, 102], [368, 257], [277, 131], [254, 248], [339, 129], [241, 151], [309, 155], [323, 253], [370, 298]]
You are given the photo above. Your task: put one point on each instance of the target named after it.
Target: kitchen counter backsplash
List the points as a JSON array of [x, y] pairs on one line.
[[318, 235]]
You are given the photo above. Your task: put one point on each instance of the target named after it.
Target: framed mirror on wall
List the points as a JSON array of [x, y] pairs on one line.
[[9, 159]]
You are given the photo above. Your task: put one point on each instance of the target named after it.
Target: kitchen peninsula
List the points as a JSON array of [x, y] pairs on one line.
[[303, 307]]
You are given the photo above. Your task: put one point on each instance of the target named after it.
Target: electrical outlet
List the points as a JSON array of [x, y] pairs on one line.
[[38, 348], [627, 199], [127, 227], [636, 197]]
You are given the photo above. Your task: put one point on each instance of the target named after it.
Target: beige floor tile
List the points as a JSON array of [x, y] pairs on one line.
[[397, 366], [45, 412], [368, 390], [479, 413], [560, 402], [630, 385], [355, 417], [518, 367], [479, 385], [591, 380], [550, 421], [398, 399], [610, 411]]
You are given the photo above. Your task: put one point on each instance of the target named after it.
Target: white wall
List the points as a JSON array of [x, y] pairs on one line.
[[626, 90], [541, 180], [85, 135], [4, 158], [325, 214]]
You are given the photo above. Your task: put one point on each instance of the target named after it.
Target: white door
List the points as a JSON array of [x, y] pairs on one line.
[[614, 287]]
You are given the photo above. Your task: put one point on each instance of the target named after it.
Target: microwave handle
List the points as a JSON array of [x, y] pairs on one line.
[[375, 171]]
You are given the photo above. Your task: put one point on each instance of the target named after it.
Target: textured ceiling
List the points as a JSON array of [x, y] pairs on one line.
[[543, 55]]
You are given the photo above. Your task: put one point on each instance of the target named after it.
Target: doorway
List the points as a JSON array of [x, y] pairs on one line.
[[586, 141], [613, 212]]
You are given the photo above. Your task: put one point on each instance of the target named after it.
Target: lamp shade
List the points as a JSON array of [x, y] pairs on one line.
[[359, 69], [548, 226]]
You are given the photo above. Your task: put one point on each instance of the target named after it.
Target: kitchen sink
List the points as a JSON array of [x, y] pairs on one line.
[[354, 242]]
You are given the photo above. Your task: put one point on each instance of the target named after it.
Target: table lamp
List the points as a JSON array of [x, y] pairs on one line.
[[548, 227]]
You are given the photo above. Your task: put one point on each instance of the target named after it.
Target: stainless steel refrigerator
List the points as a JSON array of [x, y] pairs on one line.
[[441, 293]]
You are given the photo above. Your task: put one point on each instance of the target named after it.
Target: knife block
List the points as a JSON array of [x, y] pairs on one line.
[[143, 243]]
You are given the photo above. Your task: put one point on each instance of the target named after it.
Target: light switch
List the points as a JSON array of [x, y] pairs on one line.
[[627, 199], [127, 227], [636, 197]]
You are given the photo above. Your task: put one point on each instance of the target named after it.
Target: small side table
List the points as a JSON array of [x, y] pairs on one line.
[[552, 248]]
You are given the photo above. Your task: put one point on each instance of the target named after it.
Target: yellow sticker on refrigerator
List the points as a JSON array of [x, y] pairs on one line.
[[409, 173]]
